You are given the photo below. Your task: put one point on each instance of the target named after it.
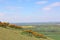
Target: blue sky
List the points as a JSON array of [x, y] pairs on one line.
[[30, 10]]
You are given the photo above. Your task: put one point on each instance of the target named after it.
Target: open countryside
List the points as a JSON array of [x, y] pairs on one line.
[[37, 32]]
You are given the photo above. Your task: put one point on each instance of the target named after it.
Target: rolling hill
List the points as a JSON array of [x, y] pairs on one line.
[[13, 34]]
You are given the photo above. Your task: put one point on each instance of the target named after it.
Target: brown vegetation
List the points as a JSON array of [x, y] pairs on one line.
[[6, 24], [29, 31], [35, 34]]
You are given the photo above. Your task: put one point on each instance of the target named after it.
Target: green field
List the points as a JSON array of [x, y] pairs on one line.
[[51, 31], [14, 34], [54, 35]]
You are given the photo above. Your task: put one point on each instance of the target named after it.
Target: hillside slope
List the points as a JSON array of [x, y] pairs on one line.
[[8, 34]]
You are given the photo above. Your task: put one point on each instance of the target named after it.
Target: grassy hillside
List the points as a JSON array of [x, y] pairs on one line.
[[52, 31], [13, 34]]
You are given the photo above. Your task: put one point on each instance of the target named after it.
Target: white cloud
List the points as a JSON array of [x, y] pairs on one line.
[[2, 15], [6, 18], [55, 4], [41, 2], [49, 7], [13, 8]]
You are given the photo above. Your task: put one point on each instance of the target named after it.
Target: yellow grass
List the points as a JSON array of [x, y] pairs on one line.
[[27, 26], [8, 34]]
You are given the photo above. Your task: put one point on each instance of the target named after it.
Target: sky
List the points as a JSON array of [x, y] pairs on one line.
[[29, 11]]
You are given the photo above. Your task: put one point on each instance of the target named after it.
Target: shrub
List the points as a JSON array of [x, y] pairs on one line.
[[18, 27], [11, 25], [14, 26], [38, 35], [4, 24], [29, 31]]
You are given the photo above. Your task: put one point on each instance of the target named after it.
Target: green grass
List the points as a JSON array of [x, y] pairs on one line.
[[52, 31], [13, 34], [54, 35]]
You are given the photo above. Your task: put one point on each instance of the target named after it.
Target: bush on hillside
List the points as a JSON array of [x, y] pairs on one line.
[[4, 24]]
